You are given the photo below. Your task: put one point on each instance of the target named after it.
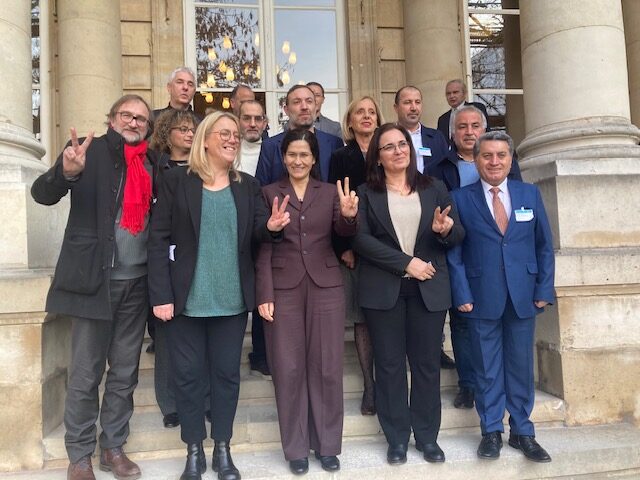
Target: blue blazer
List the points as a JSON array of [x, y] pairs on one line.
[[434, 140], [487, 267], [271, 168]]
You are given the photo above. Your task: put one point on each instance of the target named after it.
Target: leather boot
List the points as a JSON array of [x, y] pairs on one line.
[[81, 470], [222, 462], [196, 462], [114, 460]]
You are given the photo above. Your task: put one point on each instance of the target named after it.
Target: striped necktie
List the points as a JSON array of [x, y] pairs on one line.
[[499, 213]]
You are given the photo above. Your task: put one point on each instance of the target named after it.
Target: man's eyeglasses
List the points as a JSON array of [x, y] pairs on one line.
[[248, 118], [390, 147], [126, 117], [184, 130], [225, 134]]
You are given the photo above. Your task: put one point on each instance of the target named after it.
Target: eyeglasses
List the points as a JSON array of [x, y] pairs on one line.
[[225, 134], [126, 117], [248, 118], [391, 147], [183, 130]]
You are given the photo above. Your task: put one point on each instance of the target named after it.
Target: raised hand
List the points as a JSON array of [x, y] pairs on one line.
[[75, 155], [266, 311], [279, 216], [164, 312], [442, 222], [348, 199], [420, 269]]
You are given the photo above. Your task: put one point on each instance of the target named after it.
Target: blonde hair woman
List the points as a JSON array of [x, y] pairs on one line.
[[202, 282]]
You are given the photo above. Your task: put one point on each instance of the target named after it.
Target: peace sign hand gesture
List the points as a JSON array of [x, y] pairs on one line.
[[442, 222], [348, 199], [75, 155], [279, 216]]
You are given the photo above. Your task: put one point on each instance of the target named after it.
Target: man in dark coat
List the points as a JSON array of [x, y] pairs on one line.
[[456, 93], [100, 280]]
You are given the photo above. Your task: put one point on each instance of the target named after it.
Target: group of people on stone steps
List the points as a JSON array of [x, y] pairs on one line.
[[213, 219]]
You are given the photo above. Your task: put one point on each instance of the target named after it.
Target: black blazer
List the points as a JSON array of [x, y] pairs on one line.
[[382, 262], [346, 162], [176, 224]]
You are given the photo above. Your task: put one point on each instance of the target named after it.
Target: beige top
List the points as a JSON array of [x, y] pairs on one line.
[[405, 211]]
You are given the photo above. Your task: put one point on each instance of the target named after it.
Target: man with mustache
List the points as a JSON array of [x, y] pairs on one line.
[[252, 124], [100, 280]]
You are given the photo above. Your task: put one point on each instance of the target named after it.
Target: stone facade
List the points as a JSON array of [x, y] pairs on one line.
[[581, 80]]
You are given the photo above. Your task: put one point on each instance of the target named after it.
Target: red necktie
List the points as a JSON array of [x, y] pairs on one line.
[[499, 213]]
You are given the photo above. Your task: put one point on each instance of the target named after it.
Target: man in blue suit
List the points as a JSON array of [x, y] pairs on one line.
[[300, 106], [501, 276]]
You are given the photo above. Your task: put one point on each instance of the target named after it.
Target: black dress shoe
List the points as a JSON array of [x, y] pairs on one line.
[[300, 466], [397, 454], [531, 449], [431, 452], [196, 462], [464, 398], [260, 367], [222, 463], [490, 446], [151, 348], [330, 463], [446, 361], [171, 420]]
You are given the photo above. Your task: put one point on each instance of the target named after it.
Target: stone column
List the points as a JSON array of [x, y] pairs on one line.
[[433, 51], [581, 149], [89, 62], [631, 14]]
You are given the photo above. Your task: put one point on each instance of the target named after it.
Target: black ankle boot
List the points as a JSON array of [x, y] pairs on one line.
[[222, 462], [196, 462]]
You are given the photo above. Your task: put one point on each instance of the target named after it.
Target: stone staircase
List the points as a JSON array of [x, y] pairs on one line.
[[256, 447]]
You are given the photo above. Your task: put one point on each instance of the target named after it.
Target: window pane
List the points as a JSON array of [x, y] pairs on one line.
[[489, 63], [227, 47], [232, 2], [306, 48], [493, 4], [305, 3]]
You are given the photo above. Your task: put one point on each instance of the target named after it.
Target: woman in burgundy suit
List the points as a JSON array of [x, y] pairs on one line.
[[300, 295]]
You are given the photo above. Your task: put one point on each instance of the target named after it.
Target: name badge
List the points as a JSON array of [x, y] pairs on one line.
[[424, 151], [524, 214]]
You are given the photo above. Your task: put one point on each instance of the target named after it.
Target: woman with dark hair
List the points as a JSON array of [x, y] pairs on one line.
[[201, 282], [172, 139], [362, 118], [407, 222], [299, 294]]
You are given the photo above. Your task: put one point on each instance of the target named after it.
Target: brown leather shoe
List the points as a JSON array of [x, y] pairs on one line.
[[116, 461], [81, 470]]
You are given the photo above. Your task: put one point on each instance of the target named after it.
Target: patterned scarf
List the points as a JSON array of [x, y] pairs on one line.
[[137, 189]]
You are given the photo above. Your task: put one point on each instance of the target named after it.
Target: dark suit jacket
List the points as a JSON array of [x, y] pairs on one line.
[[434, 140], [445, 118], [488, 267], [346, 162], [447, 170], [306, 246], [176, 222], [271, 167], [382, 262]]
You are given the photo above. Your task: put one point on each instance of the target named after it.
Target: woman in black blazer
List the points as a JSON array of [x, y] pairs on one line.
[[407, 223], [201, 281], [362, 118]]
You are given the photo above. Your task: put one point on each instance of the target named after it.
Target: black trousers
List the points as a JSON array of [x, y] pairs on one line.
[[259, 353], [193, 342], [407, 330], [93, 344]]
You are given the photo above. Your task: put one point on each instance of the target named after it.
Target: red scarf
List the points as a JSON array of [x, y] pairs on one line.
[[137, 189]]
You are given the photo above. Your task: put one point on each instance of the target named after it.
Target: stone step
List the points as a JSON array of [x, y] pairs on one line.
[[256, 424], [594, 452], [254, 385]]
